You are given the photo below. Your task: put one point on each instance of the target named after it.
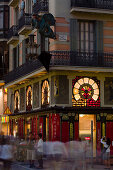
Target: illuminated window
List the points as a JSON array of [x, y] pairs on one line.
[[45, 93], [85, 92], [16, 101], [29, 98]]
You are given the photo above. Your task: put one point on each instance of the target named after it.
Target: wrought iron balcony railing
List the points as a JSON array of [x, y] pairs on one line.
[[13, 31], [101, 4], [40, 6], [25, 21], [64, 58]]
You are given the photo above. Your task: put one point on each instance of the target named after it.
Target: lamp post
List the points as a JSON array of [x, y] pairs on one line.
[[32, 48]]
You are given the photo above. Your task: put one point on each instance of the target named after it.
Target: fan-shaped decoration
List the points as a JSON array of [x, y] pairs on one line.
[[85, 92]]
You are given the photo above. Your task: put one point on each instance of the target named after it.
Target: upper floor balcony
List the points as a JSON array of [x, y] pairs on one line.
[[3, 34], [13, 37], [97, 6], [64, 59], [13, 3], [40, 7], [24, 26]]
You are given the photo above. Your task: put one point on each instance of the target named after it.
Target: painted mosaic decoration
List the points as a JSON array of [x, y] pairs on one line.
[[85, 92]]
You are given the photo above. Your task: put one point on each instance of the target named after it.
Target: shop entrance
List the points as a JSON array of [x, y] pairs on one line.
[[85, 129]]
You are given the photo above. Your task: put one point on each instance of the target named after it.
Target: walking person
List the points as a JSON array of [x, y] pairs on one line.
[[106, 152], [6, 153], [39, 150], [31, 151]]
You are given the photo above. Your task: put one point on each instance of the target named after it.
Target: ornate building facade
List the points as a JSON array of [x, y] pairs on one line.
[[4, 61], [78, 88]]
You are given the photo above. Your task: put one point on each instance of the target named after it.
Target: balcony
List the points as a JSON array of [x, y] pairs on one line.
[[63, 58], [97, 6], [13, 35], [24, 26], [40, 7], [13, 3], [3, 34]]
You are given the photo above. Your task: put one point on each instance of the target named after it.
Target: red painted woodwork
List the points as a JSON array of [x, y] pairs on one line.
[[76, 130], [41, 125], [55, 127], [10, 125], [36, 128], [98, 137], [109, 133], [22, 127], [50, 127], [65, 131]]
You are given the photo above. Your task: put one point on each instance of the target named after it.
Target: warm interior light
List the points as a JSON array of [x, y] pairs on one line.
[[81, 115]]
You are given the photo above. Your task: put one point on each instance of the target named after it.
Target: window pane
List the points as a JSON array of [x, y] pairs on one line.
[[91, 27], [91, 46], [82, 26], [91, 37], [86, 26], [82, 45], [1, 19], [87, 45], [82, 35], [86, 36]]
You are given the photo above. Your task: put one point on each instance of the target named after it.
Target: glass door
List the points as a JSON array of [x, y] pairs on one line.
[[85, 130]]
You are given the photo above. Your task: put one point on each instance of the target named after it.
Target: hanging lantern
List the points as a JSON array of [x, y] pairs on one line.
[[32, 48]]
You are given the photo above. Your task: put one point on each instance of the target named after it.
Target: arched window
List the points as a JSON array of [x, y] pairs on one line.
[[45, 93], [16, 101], [29, 98]]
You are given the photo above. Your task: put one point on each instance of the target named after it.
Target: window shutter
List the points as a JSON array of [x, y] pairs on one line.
[[23, 51], [99, 36], [17, 55], [73, 34], [39, 42]]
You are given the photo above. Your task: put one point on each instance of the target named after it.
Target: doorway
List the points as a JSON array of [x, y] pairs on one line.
[[85, 129]]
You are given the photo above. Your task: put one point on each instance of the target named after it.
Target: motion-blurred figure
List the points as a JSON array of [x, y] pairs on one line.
[[6, 153], [31, 151], [39, 150]]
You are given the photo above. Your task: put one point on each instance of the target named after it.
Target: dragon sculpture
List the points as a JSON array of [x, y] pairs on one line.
[[44, 23]]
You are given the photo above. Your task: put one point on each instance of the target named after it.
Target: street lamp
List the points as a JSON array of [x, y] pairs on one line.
[[32, 48]]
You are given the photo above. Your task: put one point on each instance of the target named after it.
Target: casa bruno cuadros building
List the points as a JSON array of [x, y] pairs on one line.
[[60, 103]]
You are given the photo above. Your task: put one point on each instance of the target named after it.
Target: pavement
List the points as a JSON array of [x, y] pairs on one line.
[[58, 165]]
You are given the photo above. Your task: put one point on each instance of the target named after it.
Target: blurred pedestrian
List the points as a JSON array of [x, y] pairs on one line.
[[39, 151], [31, 151], [6, 153], [106, 151]]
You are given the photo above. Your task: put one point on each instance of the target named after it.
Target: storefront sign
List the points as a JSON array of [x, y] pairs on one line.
[[87, 138]]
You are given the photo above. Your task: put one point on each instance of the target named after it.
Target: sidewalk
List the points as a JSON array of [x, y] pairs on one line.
[[54, 165]]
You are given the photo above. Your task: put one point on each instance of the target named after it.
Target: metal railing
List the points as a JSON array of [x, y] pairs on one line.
[[13, 31], [40, 6], [101, 4], [64, 58], [25, 20]]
